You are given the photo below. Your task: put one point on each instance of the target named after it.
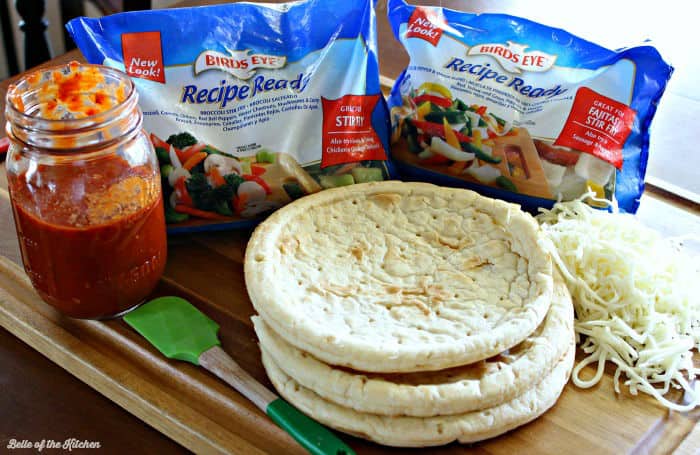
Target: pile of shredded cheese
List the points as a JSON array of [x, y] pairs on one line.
[[636, 297]]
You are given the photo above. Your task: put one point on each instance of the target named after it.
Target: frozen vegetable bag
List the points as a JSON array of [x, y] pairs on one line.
[[519, 110], [250, 106]]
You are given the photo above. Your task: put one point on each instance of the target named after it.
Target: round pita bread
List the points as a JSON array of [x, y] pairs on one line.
[[399, 277], [457, 390], [427, 431]]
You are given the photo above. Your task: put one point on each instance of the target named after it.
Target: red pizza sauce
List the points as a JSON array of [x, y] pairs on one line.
[[97, 256], [85, 189]]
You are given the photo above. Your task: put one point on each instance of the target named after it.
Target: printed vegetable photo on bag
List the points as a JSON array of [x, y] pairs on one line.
[[254, 109], [520, 111]]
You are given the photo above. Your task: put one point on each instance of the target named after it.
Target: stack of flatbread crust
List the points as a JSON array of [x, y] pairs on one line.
[[410, 314]]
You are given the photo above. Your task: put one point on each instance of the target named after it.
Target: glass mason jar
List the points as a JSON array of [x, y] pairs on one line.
[[85, 189]]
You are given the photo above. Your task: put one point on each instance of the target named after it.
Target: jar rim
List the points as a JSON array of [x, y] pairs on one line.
[[74, 124], [39, 90]]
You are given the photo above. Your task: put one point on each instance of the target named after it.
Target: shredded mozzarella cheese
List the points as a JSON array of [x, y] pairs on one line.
[[636, 298]]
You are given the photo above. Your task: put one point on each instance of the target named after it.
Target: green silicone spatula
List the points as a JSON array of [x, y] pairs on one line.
[[180, 331]]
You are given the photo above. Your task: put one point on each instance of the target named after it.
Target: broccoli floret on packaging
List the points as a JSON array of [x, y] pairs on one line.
[[229, 189], [181, 140], [205, 197], [233, 181], [201, 192]]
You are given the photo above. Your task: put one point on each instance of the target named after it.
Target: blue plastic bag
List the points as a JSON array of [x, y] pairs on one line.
[[521, 111], [283, 100]]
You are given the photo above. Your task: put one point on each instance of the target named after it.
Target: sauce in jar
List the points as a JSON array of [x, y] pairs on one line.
[[85, 191]]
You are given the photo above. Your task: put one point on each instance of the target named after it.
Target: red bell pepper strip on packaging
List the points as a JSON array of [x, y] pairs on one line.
[[259, 181], [158, 142], [437, 129], [182, 195], [239, 203], [437, 100], [257, 170]]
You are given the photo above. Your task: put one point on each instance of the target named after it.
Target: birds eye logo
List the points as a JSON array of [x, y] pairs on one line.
[[513, 57], [240, 64]]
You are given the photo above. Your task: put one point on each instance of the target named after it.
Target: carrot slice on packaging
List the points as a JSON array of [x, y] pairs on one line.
[[194, 160], [187, 152], [216, 177]]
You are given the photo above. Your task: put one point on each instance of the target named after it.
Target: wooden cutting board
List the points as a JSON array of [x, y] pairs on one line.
[[201, 413]]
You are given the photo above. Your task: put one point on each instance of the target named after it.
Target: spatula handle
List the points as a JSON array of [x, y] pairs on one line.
[[217, 361], [313, 436]]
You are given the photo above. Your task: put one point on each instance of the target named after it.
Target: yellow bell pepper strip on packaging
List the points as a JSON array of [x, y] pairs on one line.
[[477, 139], [436, 88], [435, 129], [422, 110], [450, 136], [520, 85], [436, 100]]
